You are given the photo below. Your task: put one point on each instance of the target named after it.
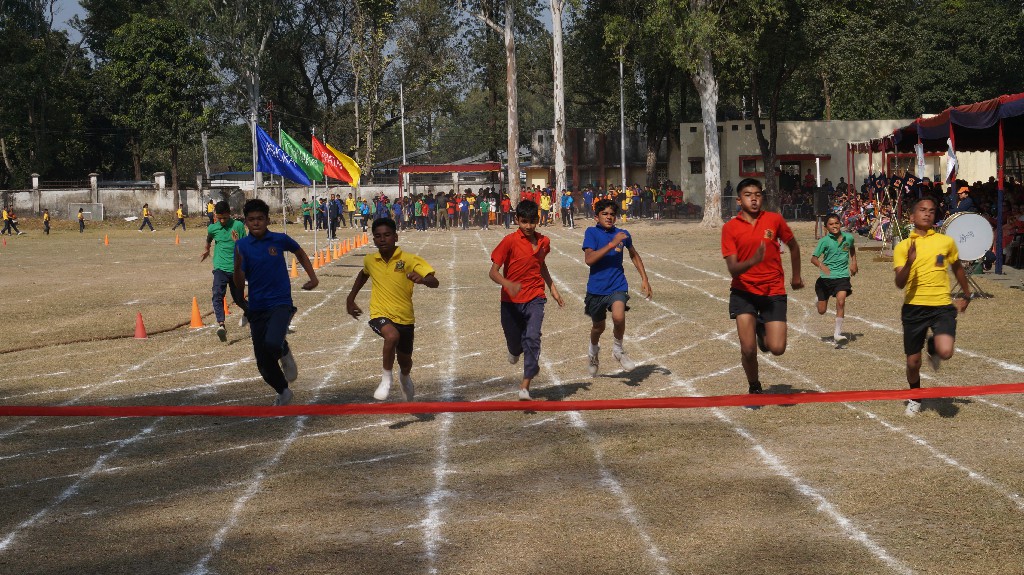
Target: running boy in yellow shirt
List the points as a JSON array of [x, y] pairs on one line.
[[394, 274], [920, 262]]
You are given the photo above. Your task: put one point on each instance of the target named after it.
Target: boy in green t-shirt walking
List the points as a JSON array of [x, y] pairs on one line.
[[225, 231], [836, 257]]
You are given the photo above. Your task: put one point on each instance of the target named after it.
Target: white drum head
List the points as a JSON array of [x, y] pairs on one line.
[[971, 233]]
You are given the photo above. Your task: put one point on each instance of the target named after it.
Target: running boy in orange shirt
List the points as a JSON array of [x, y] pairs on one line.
[[520, 257]]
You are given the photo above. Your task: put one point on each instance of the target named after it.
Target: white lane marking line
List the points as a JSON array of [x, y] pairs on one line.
[[435, 500], [72, 490]]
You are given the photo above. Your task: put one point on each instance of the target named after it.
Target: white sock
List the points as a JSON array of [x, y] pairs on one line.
[[594, 349], [617, 345], [839, 326], [386, 375]]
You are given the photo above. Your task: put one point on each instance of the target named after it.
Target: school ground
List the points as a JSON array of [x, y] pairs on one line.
[[817, 488]]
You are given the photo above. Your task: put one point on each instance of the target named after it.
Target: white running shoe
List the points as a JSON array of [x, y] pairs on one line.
[[288, 366], [624, 360], [513, 359], [244, 321], [383, 389], [283, 398], [407, 386], [839, 338], [594, 363], [524, 395], [291, 329], [913, 408]]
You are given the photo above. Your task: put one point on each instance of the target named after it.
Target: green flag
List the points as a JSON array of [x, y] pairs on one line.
[[313, 167]]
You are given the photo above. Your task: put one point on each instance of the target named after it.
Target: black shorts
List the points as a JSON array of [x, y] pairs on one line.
[[597, 306], [825, 288], [405, 333], [918, 318], [766, 307]]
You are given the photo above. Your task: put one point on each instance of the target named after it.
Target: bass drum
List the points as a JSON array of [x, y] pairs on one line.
[[971, 233]]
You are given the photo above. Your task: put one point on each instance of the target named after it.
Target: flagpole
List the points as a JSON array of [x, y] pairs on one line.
[[252, 126], [284, 213], [315, 204]]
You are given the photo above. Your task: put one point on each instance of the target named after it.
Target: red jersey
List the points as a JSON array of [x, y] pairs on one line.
[[506, 206], [521, 261], [742, 239]]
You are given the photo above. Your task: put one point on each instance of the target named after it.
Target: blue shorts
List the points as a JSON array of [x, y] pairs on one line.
[[597, 306]]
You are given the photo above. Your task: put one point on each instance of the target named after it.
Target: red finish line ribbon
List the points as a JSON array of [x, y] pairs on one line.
[[489, 406]]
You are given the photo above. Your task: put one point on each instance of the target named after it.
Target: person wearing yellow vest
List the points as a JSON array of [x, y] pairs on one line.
[[146, 214], [180, 214], [210, 210], [81, 220], [394, 273], [920, 262], [46, 221]]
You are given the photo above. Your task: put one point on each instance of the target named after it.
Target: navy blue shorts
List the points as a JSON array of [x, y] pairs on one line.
[[597, 306]]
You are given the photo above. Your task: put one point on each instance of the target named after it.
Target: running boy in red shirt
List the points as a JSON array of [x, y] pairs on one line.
[[750, 246], [520, 256]]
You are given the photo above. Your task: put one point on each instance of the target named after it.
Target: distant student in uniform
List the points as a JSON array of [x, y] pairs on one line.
[[225, 233], [920, 262], [180, 214], [758, 301], [394, 274], [46, 221], [607, 289], [836, 257], [81, 220], [146, 214], [518, 266], [259, 258], [210, 209]]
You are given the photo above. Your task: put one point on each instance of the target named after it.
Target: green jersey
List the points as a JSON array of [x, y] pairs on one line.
[[307, 209], [834, 252], [224, 247]]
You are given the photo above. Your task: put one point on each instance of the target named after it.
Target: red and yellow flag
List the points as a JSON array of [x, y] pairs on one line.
[[333, 167], [350, 166]]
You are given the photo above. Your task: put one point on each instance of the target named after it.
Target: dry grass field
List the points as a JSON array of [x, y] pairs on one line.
[[823, 488]]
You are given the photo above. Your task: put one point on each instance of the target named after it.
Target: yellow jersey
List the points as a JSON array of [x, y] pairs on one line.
[[928, 282], [391, 295]]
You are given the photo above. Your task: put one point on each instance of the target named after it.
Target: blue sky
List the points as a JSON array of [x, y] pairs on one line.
[[66, 10]]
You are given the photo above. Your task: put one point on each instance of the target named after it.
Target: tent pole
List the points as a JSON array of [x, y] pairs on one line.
[[999, 201]]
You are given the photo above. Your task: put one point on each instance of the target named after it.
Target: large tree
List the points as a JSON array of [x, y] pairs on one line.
[[163, 80]]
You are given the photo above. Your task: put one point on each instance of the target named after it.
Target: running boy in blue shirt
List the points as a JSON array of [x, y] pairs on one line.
[[259, 258], [836, 257], [607, 289]]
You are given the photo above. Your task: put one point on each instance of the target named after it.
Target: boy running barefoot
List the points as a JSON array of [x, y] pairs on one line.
[[259, 258], [836, 257], [750, 246], [920, 262], [520, 257], [394, 274], [607, 289]]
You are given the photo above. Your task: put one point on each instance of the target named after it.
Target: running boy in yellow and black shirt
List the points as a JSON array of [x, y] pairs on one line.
[[394, 274], [920, 262], [180, 214]]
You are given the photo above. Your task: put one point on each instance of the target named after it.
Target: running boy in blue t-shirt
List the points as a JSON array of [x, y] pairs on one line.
[[259, 258], [836, 257], [607, 289]]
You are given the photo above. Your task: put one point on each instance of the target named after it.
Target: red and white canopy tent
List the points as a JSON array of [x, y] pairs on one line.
[[991, 125], [443, 169]]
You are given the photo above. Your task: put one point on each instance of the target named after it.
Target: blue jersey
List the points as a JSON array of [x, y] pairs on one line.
[[265, 269], [606, 275]]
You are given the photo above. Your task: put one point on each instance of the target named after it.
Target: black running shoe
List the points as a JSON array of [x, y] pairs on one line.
[[755, 387]]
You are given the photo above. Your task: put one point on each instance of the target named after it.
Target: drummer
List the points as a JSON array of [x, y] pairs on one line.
[[920, 262]]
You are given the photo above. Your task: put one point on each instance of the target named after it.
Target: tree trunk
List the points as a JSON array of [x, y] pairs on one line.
[[174, 172], [136, 149], [707, 88], [828, 96], [559, 73], [653, 140], [513, 105]]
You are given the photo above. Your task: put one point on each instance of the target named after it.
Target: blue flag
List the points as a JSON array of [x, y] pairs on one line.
[[273, 160]]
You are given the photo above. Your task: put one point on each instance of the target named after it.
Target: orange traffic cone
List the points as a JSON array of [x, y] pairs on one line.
[[366, 238], [226, 310], [197, 318], [106, 240], [337, 250], [177, 240], [295, 268], [140, 328], [316, 261], [327, 256]]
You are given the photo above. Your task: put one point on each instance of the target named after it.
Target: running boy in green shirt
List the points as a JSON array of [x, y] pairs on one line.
[[225, 231], [836, 257]]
